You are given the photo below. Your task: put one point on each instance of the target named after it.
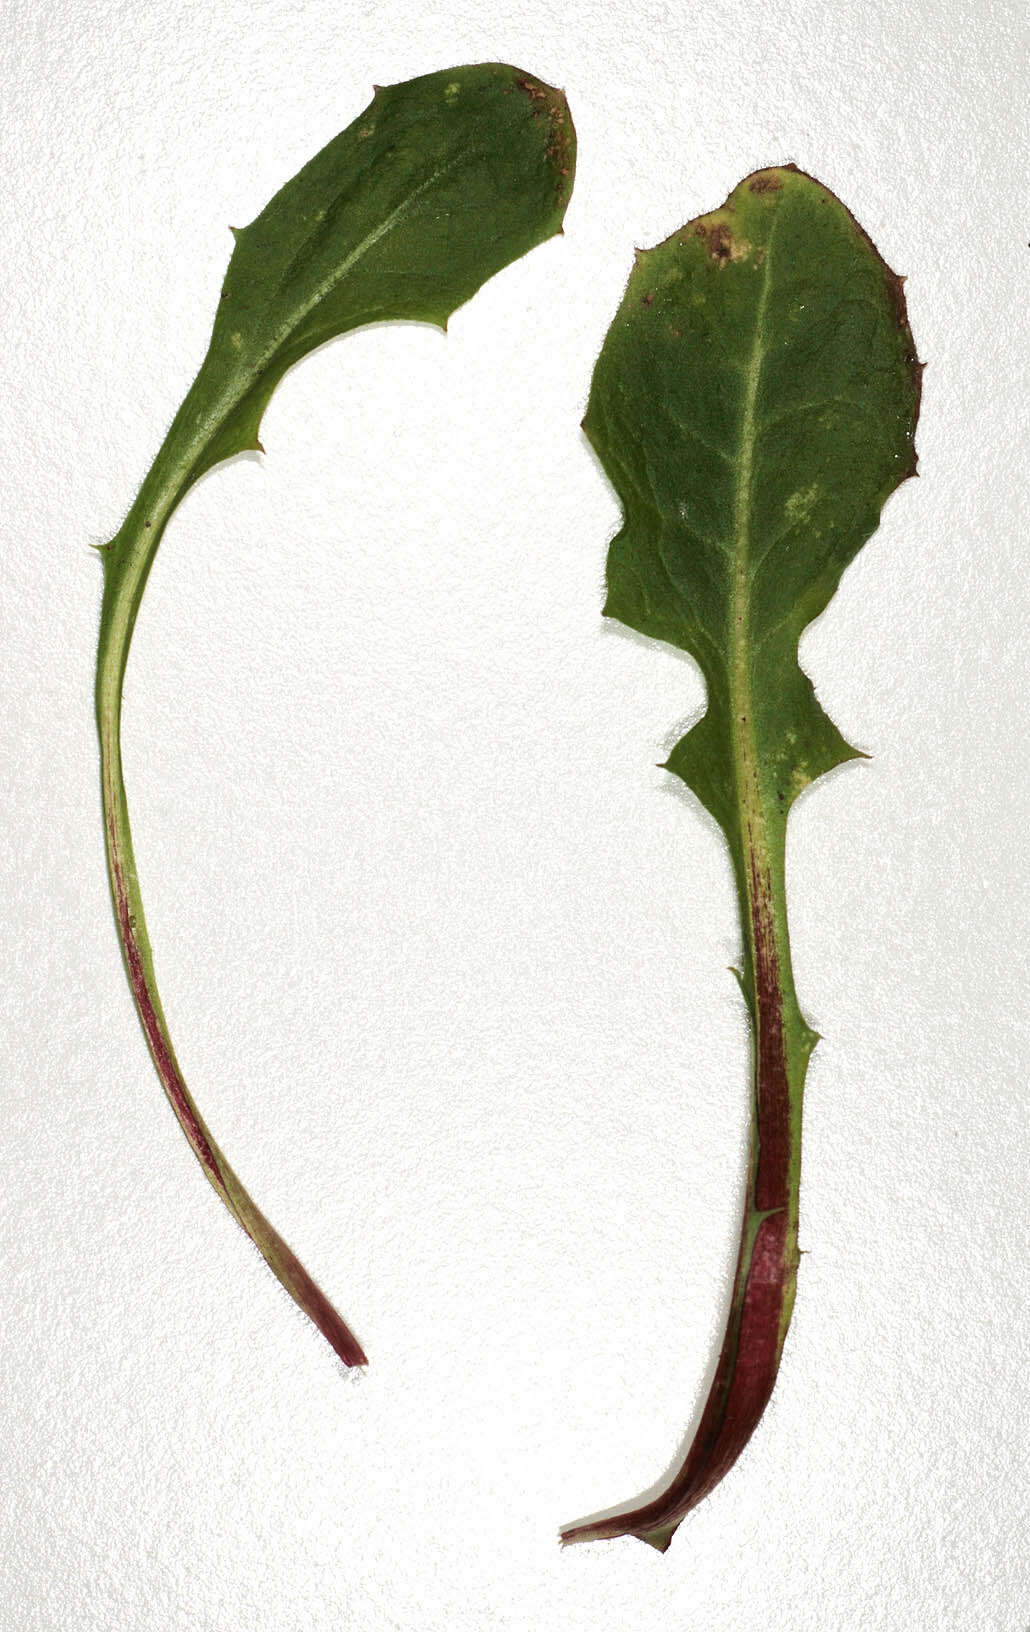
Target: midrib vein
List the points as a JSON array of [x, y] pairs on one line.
[[237, 389], [762, 908], [196, 432], [368, 242], [745, 754]]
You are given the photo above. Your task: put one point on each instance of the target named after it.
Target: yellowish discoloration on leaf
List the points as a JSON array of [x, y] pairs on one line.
[[799, 506]]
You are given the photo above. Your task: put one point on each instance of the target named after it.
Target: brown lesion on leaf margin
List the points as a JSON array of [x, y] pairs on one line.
[[553, 105], [721, 242], [894, 285], [718, 239]]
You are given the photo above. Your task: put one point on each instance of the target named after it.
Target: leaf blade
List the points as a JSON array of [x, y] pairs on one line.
[[743, 345], [695, 294]]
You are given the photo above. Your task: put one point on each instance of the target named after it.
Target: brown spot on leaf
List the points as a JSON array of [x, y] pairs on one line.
[[764, 182], [720, 243], [722, 246], [553, 106]]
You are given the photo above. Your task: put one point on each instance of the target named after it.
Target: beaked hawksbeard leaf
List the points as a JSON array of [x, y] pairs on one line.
[[440, 183], [754, 405]]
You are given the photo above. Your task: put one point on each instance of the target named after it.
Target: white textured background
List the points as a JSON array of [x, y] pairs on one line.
[[443, 953]]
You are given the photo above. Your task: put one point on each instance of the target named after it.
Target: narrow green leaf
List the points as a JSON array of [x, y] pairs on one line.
[[754, 405], [438, 185]]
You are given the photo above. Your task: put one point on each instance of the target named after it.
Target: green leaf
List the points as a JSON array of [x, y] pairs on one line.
[[440, 183], [754, 405]]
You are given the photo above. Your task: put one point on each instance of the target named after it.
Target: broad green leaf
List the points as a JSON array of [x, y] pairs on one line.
[[439, 184], [754, 405]]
